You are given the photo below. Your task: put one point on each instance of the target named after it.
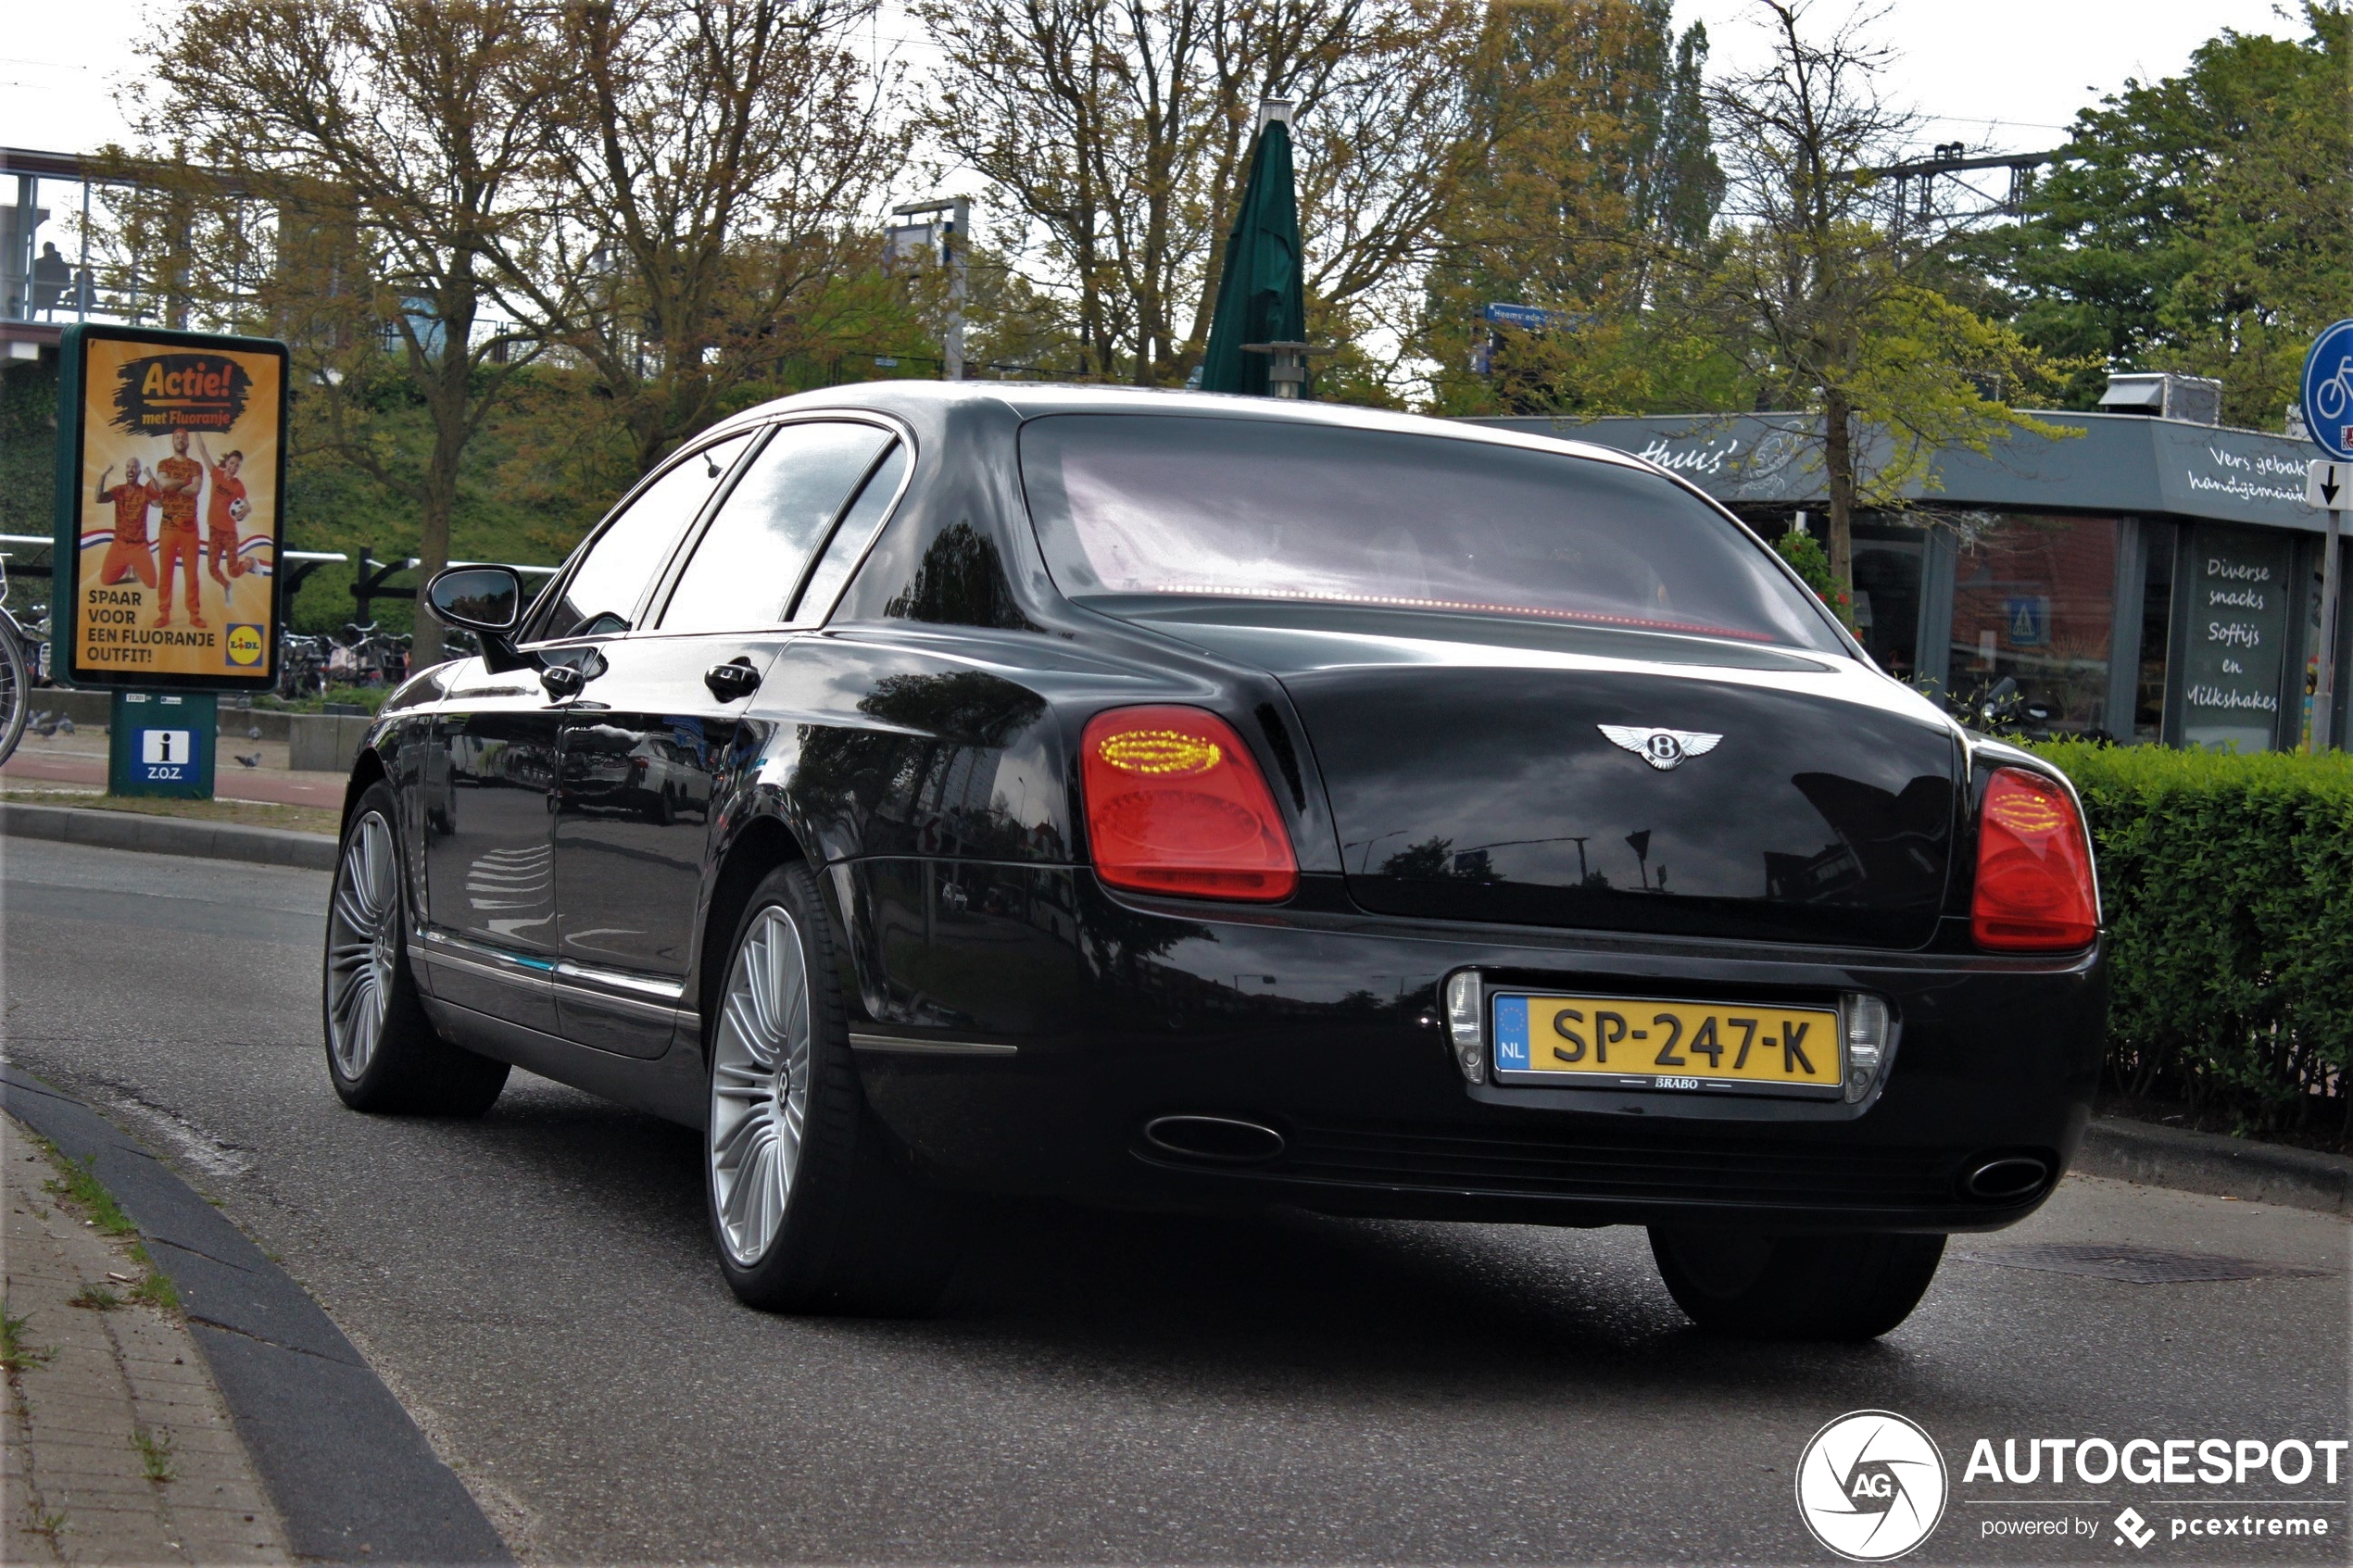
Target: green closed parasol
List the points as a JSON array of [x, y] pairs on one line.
[[1261, 293]]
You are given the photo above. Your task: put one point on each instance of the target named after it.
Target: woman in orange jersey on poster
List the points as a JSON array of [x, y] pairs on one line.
[[225, 508]]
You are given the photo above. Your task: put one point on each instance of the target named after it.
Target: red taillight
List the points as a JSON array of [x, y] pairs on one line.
[[1174, 804], [2034, 887]]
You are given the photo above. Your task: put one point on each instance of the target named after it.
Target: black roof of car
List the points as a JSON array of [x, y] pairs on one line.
[[1031, 400]]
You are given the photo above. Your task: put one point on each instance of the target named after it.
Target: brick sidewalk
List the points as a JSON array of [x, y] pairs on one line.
[[118, 1447]]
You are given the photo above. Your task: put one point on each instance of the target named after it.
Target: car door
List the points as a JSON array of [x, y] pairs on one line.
[[646, 748], [490, 937]]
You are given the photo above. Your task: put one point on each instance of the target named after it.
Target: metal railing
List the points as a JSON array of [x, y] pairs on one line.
[[366, 586]]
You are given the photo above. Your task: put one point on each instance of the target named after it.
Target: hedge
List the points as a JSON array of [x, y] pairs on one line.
[[2228, 886]]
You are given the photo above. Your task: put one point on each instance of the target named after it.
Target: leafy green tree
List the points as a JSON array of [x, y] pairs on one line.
[[1805, 555], [2199, 223], [1590, 165]]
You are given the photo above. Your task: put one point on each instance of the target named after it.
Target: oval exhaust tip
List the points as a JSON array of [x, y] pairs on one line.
[[1215, 1140], [2000, 1180]]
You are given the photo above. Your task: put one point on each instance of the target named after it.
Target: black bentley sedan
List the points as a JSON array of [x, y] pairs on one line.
[[1181, 801]]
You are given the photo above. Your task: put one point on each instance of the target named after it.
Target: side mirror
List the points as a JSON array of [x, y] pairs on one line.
[[477, 598]]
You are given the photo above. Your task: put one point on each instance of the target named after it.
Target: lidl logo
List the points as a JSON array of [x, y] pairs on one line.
[[244, 644]]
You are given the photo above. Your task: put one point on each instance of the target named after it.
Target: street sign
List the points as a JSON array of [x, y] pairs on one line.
[[2328, 485], [161, 743], [2328, 391]]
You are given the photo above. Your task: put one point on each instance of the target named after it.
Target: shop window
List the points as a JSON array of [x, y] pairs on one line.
[[2240, 586], [2033, 600], [1888, 567], [2156, 630]]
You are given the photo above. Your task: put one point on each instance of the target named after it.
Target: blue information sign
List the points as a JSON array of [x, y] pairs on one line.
[[2328, 391], [161, 743]]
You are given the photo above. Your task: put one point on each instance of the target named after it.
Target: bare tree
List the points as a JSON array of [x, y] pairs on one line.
[[1114, 131], [1819, 295], [719, 159], [401, 148]]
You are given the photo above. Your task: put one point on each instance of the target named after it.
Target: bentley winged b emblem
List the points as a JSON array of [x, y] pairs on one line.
[[1661, 748]]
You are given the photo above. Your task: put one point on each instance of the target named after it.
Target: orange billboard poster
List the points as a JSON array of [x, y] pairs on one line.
[[171, 474]]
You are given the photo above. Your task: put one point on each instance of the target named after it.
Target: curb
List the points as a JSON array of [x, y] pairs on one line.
[[350, 1475], [2256, 1173], [169, 835]]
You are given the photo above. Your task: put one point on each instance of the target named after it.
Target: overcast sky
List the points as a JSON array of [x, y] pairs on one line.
[[2007, 74]]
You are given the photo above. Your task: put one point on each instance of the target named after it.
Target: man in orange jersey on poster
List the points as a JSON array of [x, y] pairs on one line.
[[225, 508], [129, 555], [178, 479]]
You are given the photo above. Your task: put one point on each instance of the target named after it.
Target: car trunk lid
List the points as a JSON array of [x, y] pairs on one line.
[[1518, 780]]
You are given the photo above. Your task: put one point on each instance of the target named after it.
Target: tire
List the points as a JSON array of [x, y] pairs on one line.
[[813, 1209], [383, 1053], [1795, 1286], [16, 691]]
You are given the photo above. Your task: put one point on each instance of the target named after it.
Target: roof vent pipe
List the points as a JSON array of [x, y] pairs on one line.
[[2160, 395]]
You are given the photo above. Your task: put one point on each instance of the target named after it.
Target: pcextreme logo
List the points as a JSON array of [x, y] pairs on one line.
[[1871, 1486]]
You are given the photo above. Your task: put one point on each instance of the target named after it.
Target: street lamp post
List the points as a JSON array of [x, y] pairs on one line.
[[953, 255]]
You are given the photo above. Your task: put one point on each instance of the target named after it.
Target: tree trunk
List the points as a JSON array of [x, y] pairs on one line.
[[432, 540], [448, 400], [1838, 464]]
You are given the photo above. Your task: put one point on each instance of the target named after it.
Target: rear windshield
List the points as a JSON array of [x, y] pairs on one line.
[[1263, 509]]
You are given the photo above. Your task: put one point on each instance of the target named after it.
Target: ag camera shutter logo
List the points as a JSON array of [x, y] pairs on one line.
[[1871, 1486]]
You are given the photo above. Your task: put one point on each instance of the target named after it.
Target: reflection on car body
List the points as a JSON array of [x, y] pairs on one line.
[[1161, 799]]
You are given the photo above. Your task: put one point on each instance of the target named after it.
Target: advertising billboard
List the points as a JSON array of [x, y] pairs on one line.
[[170, 482]]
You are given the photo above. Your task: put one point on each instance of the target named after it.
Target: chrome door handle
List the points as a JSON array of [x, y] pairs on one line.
[[731, 680], [565, 678]]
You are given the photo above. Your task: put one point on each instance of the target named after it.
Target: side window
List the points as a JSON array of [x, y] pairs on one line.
[[604, 589], [749, 560], [850, 540]]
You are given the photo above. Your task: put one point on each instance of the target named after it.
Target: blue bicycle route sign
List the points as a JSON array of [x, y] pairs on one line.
[[2328, 391]]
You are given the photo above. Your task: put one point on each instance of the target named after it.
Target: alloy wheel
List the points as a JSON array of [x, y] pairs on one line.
[[362, 944], [760, 1086]]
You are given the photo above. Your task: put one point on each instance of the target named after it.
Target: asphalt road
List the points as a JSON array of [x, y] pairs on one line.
[[538, 1286]]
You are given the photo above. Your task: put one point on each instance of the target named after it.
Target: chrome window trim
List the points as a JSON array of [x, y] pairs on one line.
[[666, 586], [551, 594], [802, 615]]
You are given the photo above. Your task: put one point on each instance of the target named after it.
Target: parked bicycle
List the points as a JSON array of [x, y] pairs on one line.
[[302, 665], [22, 663], [369, 656]]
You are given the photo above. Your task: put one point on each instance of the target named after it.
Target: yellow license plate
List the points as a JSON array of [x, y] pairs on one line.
[[1626, 1042]]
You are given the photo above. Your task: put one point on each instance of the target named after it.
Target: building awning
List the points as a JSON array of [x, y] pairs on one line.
[[2118, 463]]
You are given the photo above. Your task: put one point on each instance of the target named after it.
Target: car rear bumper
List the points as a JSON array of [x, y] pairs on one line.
[[1022, 1027]]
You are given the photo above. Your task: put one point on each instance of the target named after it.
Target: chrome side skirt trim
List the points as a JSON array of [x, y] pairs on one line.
[[452, 952], [639, 987], [654, 1013], [633, 996], [929, 1047]]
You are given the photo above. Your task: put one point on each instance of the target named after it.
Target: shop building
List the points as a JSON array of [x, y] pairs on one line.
[[2147, 578]]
